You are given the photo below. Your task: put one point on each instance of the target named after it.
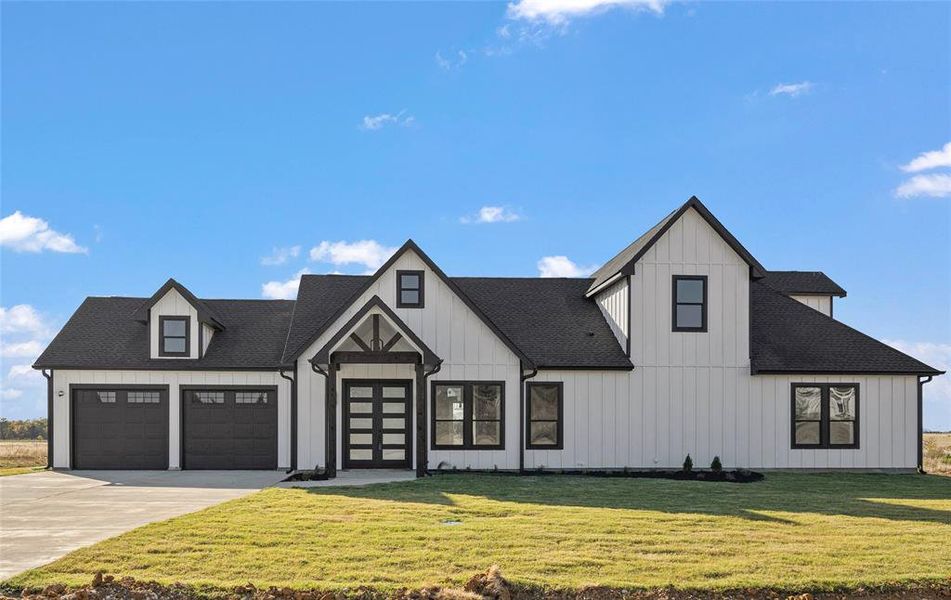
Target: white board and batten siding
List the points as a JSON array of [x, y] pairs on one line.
[[62, 379], [173, 304], [470, 351], [613, 302], [821, 303], [652, 418], [693, 392]]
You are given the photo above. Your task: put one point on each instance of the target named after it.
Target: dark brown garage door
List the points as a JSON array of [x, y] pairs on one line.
[[120, 428], [229, 428]]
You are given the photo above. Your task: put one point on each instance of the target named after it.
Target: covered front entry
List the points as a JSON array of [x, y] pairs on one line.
[[377, 426]]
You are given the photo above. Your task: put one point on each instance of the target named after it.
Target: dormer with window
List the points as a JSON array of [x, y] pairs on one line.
[[180, 325]]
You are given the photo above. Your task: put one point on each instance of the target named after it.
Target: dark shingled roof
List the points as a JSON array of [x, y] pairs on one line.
[[803, 282], [550, 320], [318, 299], [789, 337], [101, 335]]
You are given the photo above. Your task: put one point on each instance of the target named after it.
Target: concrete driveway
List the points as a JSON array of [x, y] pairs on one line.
[[46, 515]]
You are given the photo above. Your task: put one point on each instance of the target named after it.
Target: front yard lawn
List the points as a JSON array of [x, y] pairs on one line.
[[791, 531]]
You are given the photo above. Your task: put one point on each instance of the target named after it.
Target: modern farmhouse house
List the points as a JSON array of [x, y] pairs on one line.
[[682, 343]]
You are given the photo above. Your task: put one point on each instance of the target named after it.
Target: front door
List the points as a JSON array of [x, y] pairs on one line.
[[376, 424]]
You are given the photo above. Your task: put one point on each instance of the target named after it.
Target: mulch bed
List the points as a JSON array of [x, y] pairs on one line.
[[484, 586], [737, 476]]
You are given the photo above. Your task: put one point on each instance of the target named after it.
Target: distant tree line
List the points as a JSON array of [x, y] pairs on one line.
[[25, 429]]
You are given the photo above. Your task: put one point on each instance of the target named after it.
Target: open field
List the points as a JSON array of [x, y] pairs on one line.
[[791, 532], [937, 453], [21, 456]]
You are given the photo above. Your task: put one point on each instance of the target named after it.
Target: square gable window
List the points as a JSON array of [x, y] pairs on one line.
[[173, 336], [409, 289]]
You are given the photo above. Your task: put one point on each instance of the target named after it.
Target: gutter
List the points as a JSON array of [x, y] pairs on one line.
[[921, 427], [327, 442], [423, 469], [49, 416], [293, 381], [521, 414]]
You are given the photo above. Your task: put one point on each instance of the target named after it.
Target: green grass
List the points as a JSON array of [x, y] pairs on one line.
[[791, 531], [5, 471]]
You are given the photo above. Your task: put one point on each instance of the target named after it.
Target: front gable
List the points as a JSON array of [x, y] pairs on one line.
[[448, 322]]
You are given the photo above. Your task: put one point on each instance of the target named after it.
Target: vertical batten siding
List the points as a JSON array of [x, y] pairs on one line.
[[469, 349], [821, 303], [62, 379], [172, 304], [656, 415], [613, 303]]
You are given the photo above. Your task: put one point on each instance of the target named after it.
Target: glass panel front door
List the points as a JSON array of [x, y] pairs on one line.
[[376, 422]]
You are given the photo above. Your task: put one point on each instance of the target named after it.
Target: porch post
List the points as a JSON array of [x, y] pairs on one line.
[[330, 404], [422, 447]]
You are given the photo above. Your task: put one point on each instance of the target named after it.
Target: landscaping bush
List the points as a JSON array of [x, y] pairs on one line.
[[716, 466], [688, 464]]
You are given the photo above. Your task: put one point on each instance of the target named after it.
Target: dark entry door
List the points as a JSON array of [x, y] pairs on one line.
[[120, 428], [377, 431], [229, 428]]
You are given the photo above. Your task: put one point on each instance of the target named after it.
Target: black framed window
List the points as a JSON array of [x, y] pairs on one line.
[[689, 303], [468, 415], [173, 336], [409, 289], [545, 416], [825, 415]]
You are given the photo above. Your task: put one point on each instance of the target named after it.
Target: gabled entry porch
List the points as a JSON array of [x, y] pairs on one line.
[[375, 369]]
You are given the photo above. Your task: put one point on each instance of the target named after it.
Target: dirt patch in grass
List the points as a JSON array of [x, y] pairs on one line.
[[490, 585]]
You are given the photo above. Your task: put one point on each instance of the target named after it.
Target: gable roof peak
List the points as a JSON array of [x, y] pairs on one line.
[[205, 313], [624, 261]]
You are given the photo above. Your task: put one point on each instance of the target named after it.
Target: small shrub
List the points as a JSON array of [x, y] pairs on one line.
[[716, 466], [688, 464]]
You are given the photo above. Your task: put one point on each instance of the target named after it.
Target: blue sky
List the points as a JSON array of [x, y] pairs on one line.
[[233, 146]]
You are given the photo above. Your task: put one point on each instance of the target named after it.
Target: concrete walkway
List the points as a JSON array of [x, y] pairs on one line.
[[46, 515]]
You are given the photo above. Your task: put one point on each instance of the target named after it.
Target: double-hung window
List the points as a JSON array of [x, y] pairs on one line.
[[468, 415], [545, 418], [173, 336], [825, 415], [689, 306]]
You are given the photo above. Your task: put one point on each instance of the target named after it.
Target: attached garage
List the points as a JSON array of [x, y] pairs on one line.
[[119, 427], [229, 428]]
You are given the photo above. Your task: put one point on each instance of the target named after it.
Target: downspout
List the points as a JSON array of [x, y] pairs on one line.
[[422, 441], [326, 375], [293, 416], [521, 414], [921, 423], [49, 416]]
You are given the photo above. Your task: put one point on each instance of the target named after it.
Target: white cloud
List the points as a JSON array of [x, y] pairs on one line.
[[561, 266], [27, 349], [930, 160], [792, 89], [451, 62], [283, 290], [279, 256], [26, 374], [376, 122], [937, 393], [934, 185], [22, 318], [559, 12], [492, 214], [22, 233], [10, 393], [369, 253]]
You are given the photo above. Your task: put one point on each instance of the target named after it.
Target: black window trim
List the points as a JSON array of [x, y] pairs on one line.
[[399, 288], [561, 415], [467, 419], [824, 417], [162, 336], [674, 303]]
